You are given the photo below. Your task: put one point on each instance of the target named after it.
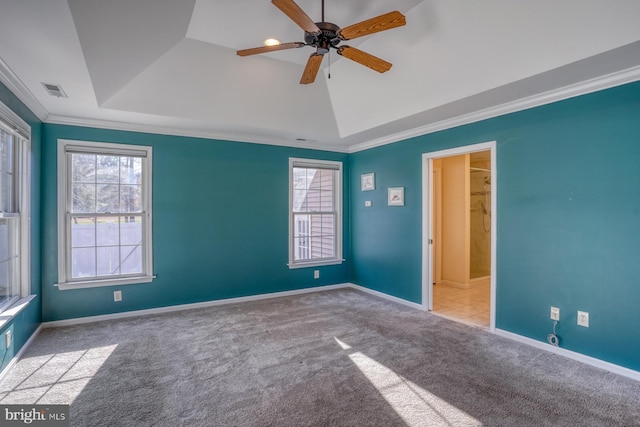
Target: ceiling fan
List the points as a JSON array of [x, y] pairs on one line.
[[325, 35]]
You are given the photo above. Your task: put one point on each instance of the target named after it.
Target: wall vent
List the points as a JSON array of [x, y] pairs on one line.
[[55, 90]]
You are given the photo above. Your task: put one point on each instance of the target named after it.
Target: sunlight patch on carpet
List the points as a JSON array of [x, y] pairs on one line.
[[342, 344], [415, 405], [54, 378]]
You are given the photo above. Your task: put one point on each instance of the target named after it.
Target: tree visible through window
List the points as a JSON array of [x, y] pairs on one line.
[[107, 213], [9, 222], [15, 195], [106, 226]]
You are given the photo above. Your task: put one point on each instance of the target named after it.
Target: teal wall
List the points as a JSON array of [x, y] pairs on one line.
[[568, 219], [220, 224], [26, 322], [568, 222]]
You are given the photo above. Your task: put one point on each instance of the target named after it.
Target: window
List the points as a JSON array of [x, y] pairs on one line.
[[104, 214], [14, 208], [315, 213]]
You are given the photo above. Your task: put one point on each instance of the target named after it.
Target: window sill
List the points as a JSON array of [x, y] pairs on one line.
[[9, 314], [315, 263], [105, 282]]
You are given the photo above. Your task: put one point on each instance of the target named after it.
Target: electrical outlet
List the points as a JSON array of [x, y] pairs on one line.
[[316, 274], [7, 339], [583, 318], [117, 296], [367, 203], [555, 313]]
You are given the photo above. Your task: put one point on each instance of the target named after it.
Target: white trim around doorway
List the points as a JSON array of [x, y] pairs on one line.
[[427, 223]]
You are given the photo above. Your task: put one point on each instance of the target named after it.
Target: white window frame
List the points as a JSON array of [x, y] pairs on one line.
[[65, 146], [12, 124], [337, 203]]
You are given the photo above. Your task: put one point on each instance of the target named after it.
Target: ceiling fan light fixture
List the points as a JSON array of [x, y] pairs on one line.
[[271, 42], [323, 36]]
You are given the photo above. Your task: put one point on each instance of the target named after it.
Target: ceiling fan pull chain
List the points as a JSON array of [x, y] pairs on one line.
[[324, 36], [329, 59]]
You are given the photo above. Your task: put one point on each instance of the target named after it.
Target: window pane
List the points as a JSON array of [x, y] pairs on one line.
[[108, 259], [9, 261], [106, 192], [314, 213], [313, 190], [328, 224], [322, 232], [314, 236], [83, 232], [131, 230], [84, 198], [322, 224], [299, 201], [11, 196], [130, 198], [83, 262], [326, 201], [107, 198], [130, 170], [322, 247], [83, 168], [313, 201], [301, 225], [131, 257], [300, 178], [6, 172], [301, 248], [107, 169], [107, 233]]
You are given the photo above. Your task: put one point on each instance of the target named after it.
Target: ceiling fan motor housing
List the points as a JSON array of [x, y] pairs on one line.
[[325, 39]]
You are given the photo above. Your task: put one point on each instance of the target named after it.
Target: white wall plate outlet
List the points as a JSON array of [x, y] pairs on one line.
[[583, 319], [555, 313], [117, 296], [316, 274]]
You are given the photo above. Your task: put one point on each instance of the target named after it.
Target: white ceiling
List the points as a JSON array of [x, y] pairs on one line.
[[170, 66]]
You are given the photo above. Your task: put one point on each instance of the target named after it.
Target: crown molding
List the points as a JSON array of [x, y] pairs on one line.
[[209, 134], [585, 87], [18, 88], [15, 85]]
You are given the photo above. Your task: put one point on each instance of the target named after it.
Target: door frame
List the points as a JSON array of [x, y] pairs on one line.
[[427, 220]]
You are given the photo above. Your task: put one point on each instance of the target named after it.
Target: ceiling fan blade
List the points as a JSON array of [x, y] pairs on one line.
[[311, 69], [379, 23], [364, 58], [264, 49], [297, 15]]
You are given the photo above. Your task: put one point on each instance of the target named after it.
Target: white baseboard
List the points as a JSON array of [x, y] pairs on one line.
[[386, 296], [451, 283], [181, 307], [616, 369], [91, 319], [480, 281], [19, 354]]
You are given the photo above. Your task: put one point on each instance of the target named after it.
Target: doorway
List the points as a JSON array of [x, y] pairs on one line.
[[459, 241]]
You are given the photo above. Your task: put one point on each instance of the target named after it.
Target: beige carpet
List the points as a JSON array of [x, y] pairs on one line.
[[339, 358]]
